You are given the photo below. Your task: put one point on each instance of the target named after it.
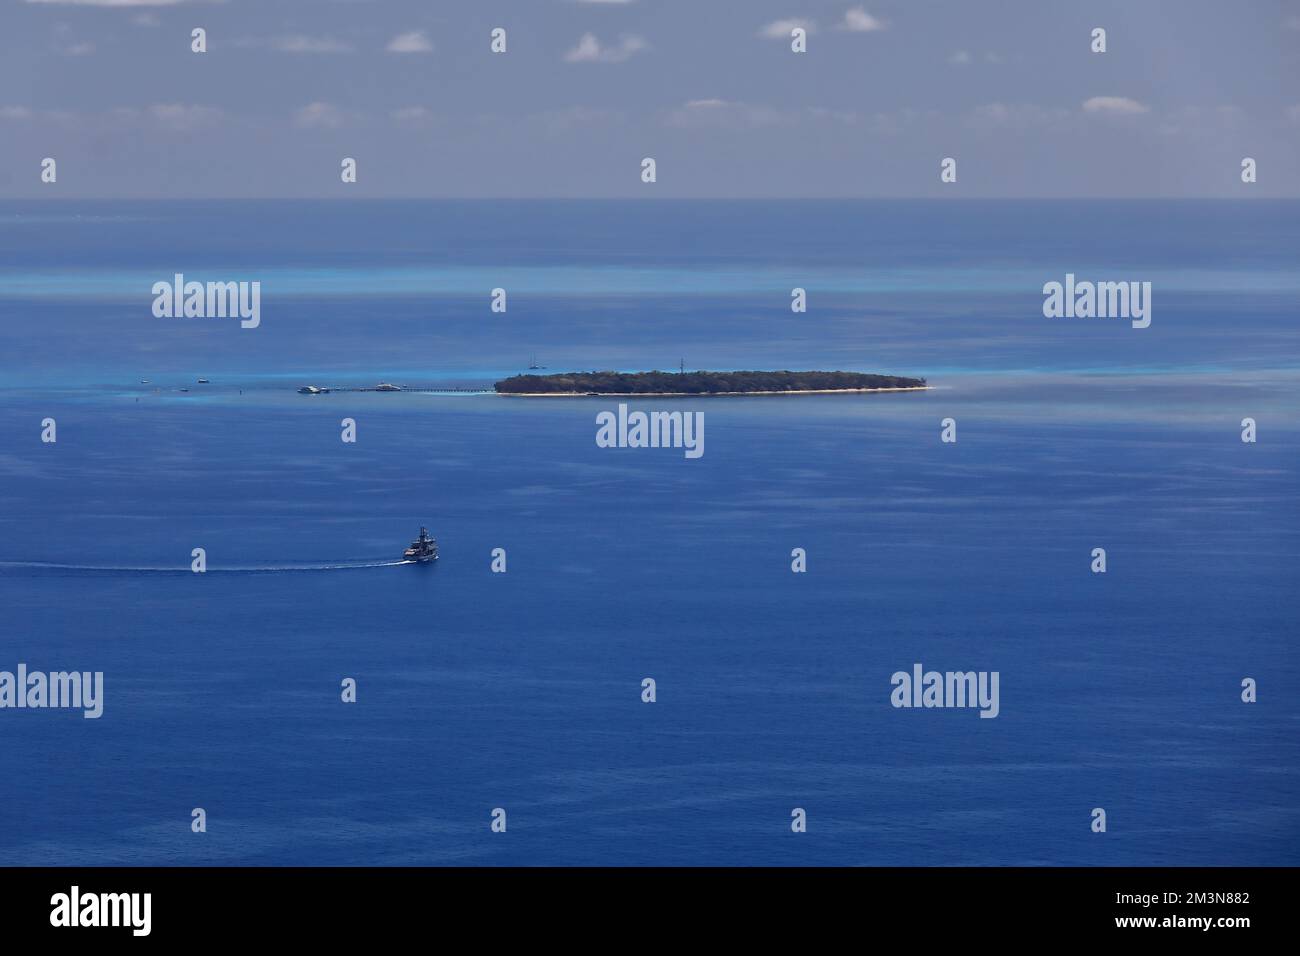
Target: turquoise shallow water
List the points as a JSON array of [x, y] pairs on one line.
[[478, 690]]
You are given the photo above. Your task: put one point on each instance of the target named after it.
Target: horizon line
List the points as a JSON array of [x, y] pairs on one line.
[[486, 198]]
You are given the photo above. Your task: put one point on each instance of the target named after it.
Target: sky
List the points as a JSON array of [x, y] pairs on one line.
[[710, 89]]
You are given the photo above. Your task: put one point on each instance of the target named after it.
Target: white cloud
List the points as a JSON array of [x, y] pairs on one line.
[[847, 117], [732, 114], [414, 116], [858, 20], [562, 122], [590, 50], [1015, 116], [296, 43], [181, 116], [23, 113], [413, 42], [178, 116], [780, 29], [305, 44], [1114, 105], [84, 48], [965, 58], [724, 114], [1203, 121], [318, 116]]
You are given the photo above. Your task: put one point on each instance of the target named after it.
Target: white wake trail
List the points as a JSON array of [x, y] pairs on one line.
[[218, 569]]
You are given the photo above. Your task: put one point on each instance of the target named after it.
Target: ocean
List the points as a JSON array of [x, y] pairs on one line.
[[522, 690]]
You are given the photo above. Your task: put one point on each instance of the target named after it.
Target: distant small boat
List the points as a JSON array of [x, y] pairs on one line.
[[203, 381], [387, 387], [144, 381], [424, 548], [533, 363], [184, 389], [311, 390]]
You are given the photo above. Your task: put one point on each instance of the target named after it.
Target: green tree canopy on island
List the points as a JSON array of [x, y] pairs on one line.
[[698, 383]]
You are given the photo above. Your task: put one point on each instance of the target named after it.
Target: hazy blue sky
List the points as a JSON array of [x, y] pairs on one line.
[[110, 89]]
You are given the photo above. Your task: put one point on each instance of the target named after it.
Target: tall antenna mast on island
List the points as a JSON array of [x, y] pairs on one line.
[[683, 366]]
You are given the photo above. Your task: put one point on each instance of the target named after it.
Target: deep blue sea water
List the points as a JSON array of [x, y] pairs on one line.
[[523, 691]]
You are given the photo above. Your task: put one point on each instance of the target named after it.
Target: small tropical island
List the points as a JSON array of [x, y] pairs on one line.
[[704, 383]]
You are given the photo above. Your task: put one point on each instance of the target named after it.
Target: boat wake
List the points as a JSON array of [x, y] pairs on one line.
[[247, 569]]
